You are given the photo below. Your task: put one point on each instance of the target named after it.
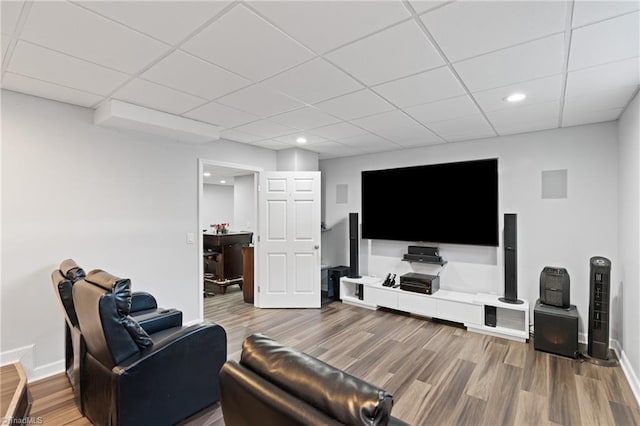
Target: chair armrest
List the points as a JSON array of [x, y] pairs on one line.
[[249, 399], [174, 378], [141, 300], [156, 320]]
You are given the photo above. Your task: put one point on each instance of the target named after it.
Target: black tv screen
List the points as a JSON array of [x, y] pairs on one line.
[[454, 203]]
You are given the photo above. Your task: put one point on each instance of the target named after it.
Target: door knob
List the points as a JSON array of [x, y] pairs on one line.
[[316, 247]]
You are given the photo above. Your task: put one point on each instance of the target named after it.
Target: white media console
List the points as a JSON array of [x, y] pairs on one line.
[[512, 321]]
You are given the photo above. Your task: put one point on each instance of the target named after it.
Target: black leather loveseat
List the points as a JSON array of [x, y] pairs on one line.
[[131, 377], [277, 385]]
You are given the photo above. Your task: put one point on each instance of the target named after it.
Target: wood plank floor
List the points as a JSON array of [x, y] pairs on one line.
[[438, 374]]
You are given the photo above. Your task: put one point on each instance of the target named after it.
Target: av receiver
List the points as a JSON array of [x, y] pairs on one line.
[[420, 283]]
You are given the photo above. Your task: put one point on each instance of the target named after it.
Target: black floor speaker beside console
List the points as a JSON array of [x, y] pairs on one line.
[[510, 241], [556, 329], [354, 247]]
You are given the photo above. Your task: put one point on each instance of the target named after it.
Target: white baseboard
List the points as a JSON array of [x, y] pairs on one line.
[[627, 369], [47, 370], [24, 355]]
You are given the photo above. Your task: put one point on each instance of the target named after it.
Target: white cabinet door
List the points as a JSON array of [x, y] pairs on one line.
[[378, 297], [418, 304]]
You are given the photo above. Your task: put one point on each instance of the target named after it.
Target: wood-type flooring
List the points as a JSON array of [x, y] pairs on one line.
[[439, 374]]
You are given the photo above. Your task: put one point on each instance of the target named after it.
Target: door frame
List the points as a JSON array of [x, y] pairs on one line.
[[256, 180]]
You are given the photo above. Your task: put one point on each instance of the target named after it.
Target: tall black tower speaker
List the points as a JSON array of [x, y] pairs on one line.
[[510, 259], [354, 246], [600, 283]]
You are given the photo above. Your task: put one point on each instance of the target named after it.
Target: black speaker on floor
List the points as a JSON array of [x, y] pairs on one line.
[[600, 282], [354, 246], [334, 281], [556, 329], [510, 259]]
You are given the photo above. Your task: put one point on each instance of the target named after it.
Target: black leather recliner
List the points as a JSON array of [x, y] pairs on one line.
[[131, 377], [144, 309], [276, 385]]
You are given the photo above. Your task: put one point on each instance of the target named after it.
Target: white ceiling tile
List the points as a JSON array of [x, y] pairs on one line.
[[331, 149], [324, 25], [238, 136], [369, 142], [220, 115], [6, 40], [83, 34], [313, 81], [590, 11], [47, 90], [397, 127], [10, 13], [193, 75], [469, 28], [266, 129], [44, 64], [464, 128], [421, 88], [338, 131], [603, 77], [291, 139], [525, 118], [271, 144], [540, 58], [152, 95], [169, 21], [395, 52], [607, 41], [443, 110], [355, 105], [305, 118], [575, 117], [618, 97], [260, 101], [528, 126], [244, 43], [421, 6], [537, 91]]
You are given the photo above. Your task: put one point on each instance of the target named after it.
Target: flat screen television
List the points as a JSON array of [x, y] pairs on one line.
[[454, 203]]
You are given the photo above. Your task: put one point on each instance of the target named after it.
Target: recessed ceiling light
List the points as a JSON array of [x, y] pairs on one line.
[[515, 97], [207, 174], [301, 139], [223, 181]]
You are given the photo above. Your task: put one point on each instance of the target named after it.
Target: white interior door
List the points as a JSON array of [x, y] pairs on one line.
[[288, 273]]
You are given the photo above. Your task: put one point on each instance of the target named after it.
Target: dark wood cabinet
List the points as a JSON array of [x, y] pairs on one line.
[[247, 285], [226, 251]]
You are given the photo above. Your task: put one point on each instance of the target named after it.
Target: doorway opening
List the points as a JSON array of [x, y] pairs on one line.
[[227, 223]]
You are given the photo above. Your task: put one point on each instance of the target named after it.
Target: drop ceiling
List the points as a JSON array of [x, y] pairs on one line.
[[352, 77]]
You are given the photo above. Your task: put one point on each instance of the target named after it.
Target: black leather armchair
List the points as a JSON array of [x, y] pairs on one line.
[[131, 377], [144, 309], [277, 385]]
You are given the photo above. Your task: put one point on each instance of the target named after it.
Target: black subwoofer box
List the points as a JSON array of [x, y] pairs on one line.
[[556, 329]]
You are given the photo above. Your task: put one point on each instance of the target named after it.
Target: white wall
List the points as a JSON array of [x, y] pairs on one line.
[[295, 159], [629, 237], [565, 232], [244, 209], [217, 205], [108, 199]]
